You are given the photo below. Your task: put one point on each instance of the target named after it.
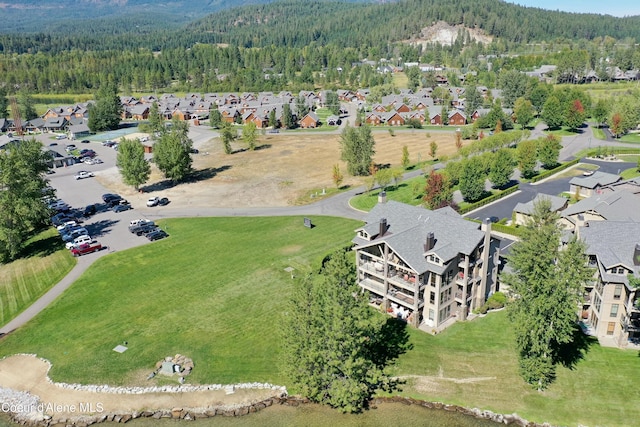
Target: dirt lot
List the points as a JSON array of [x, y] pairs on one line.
[[283, 169]]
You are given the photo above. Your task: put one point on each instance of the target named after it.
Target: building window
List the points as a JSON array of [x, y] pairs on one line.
[[621, 270], [617, 292], [597, 302], [432, 314], [433, 280], [432, 297], [614, 310], [611, 326]]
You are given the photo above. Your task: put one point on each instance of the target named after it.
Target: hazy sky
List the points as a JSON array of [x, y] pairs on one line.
[[610, 7]]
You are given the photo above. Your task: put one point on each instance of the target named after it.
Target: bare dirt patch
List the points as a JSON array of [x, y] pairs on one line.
[[28, 373], [285, 167]]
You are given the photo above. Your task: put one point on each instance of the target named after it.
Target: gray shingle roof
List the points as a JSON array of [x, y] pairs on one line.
[[557, 203], [407, 228], [613, 242], [616, 206], [597, 179]]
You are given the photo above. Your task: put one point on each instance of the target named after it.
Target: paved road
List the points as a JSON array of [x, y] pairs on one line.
[[111, 228]]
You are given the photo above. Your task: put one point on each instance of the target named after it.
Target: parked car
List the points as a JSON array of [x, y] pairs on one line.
[[163, 201], [83, 175], [89, 211], [108, 197], [67, 225], [121, 208], [85, 141], [153, 201], [86, 248], [61, 137], [157, 235], [134, 229], [108, 143], [140, 221], [194, 151], [69, 148], [143, 230], [87, 153], [97, 161], [74, 233], [81, 240], [60, 218]]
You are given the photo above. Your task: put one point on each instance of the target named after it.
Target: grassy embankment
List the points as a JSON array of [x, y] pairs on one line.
[[216, 291], [44, 262]]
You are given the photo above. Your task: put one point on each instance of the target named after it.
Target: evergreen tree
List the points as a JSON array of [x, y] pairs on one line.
[[472, 179], [600, 111], [287, 117], [133, 166], [301, 106], [333, 103], [337, 175], [473, 99], [357, 149], [155, 120], [502, 167], [273, 121], [337, 349], [106, 113], [27, 107], [22, 171], [4, 103], [547, 282], [215, 118]]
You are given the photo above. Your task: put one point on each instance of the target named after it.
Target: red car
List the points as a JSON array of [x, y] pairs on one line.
[[86, 248]]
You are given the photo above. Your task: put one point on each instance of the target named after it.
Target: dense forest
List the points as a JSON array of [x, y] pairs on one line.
[[299, 44]]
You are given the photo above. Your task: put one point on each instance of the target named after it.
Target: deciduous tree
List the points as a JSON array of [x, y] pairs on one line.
[[357, 149], [438, 191], [227, 135], [523, 110], [552, 113], [406, 161], [250, 135], [215, 118], [336, 349], [337, 175], [547, 283], [433, 150], [106, 113], [502, 167], [527, 156], [601, 111], [27, 106], [549, 150], [472, 179], [575, 115], [134, 168], [172, 153]]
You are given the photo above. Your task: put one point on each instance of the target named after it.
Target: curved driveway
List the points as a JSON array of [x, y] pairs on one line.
[[112, 230]]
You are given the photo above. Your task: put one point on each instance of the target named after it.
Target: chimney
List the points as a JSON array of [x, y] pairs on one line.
[[486, 225], [383, 227], [430, 241], [382, 197], [636, 254]]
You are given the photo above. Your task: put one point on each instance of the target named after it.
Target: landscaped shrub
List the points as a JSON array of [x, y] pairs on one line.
[[495, 301]]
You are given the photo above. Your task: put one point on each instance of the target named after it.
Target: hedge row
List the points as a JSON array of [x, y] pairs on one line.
[[507, 229], [487, 200], [553, 171]]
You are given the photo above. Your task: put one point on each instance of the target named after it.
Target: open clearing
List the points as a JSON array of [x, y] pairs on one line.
[[281, 172]]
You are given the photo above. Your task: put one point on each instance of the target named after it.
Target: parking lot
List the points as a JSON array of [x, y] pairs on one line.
[[108, 227]]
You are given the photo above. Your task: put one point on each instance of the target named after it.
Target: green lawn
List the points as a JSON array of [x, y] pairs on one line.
[[631, 137], [404, 193], [598, 133], [216, 291], [630, 173], [44, 263]]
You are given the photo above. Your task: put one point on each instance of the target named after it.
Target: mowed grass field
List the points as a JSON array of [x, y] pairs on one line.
[[44, 263], [216, 291]]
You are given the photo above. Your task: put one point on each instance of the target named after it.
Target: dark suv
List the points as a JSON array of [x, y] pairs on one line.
[[110, 198]]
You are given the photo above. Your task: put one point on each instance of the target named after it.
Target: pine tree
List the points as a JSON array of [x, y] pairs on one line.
[[155, 120], [337, 349], [106, 113]]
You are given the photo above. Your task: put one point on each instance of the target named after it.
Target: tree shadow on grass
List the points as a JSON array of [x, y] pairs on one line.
[[195, 176], [257, 148], [570, 354], [42, 247], [390, 342]]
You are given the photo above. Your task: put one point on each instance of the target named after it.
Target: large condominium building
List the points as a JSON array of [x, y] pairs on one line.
[[611, 302], [427, 267]]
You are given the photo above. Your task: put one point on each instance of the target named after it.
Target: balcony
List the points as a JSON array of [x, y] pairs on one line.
[[373, 286], [375, 268], [460, 279], [632, 324], [586, 299], [458, 297], [403, 280], [404, 299]]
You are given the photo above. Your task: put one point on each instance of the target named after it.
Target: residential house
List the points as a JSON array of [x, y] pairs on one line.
[[587, 186], [429, 268], [457, 118], [373, 119], [610, 306], [435, 115], [310, 120], [393, 118], [523, 211]]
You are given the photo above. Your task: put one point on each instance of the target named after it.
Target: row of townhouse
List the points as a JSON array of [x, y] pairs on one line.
[[608, 221], [430, 268], [72, 119]]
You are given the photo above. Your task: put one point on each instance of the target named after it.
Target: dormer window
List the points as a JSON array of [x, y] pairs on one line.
[[618, 270], [434, 259]]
